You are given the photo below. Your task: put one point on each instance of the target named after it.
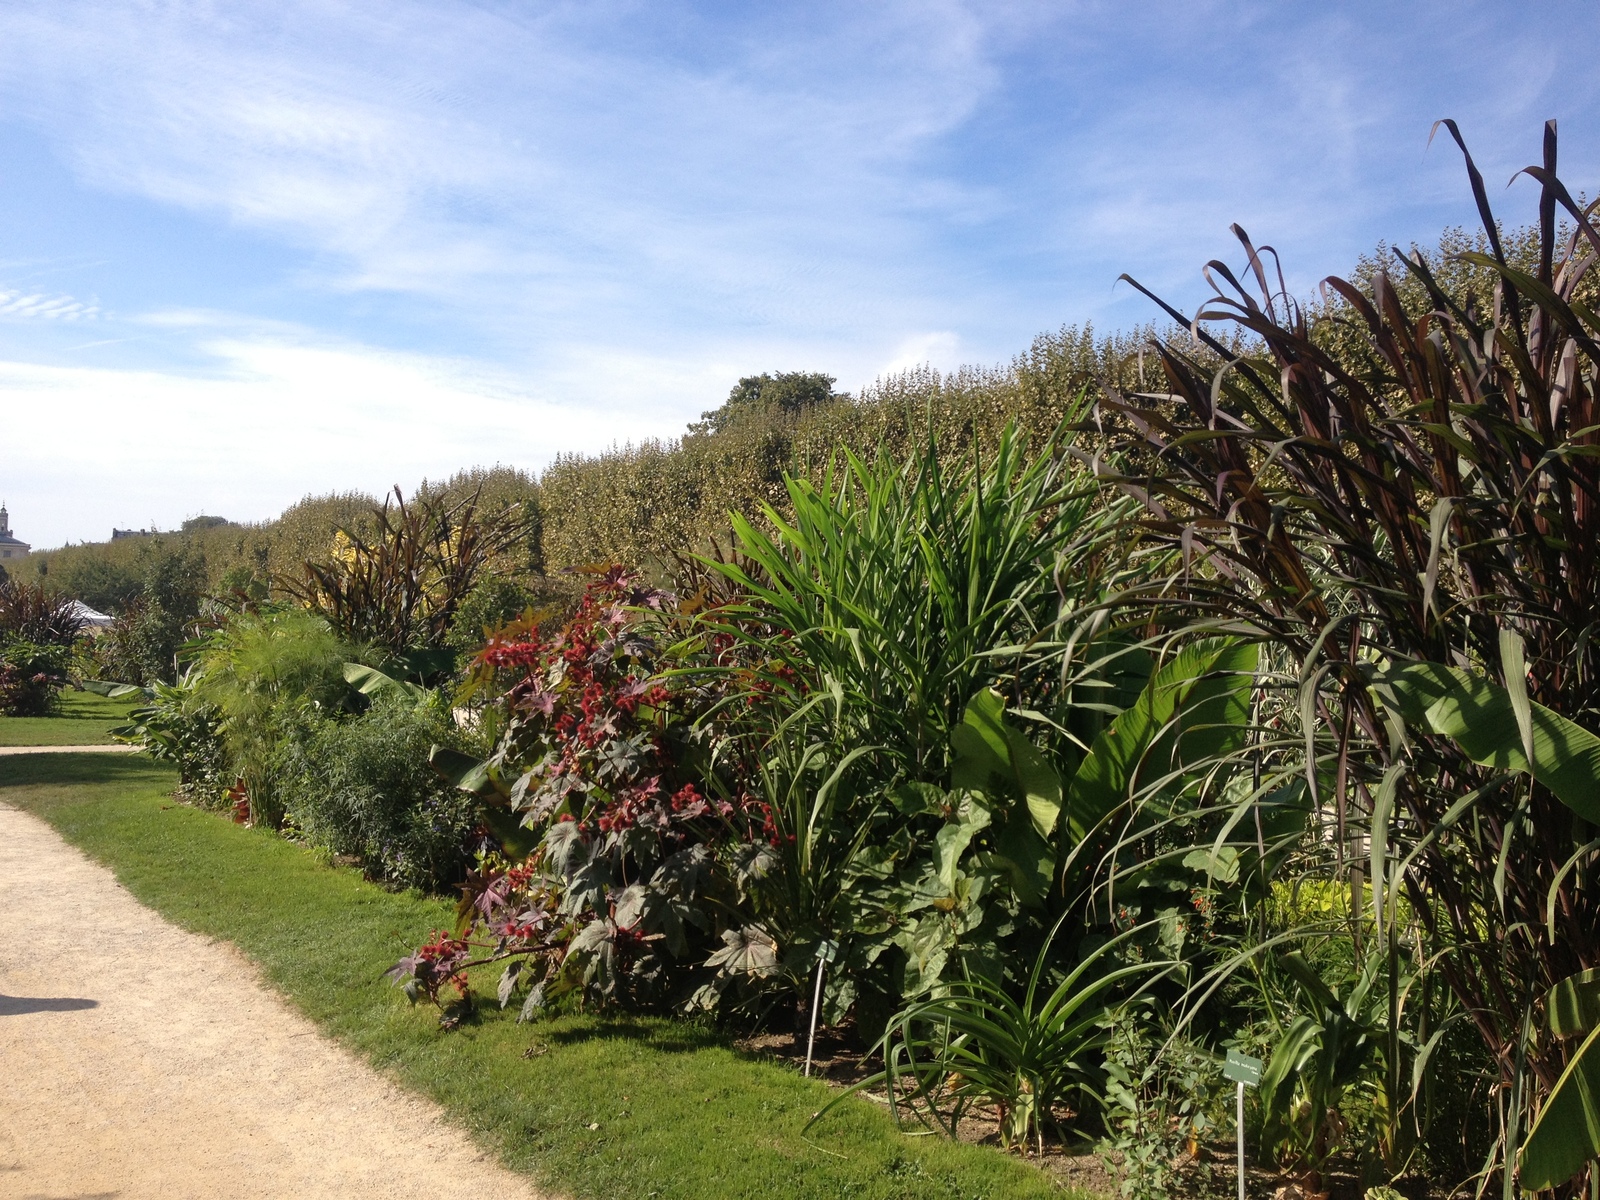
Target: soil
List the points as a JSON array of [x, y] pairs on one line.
[[838, 1058], [140, 1060]]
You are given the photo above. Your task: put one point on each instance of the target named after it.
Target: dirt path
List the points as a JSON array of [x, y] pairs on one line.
[[69, 749], [138, 1060]]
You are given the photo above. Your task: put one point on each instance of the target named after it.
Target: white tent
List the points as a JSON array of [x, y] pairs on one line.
[[90, 618]]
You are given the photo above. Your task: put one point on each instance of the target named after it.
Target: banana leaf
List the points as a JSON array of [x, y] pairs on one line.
[[1194, 710], [1482, 718]]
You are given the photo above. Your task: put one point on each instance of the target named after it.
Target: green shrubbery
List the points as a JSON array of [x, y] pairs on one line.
[[1101, 716], [363, 788]]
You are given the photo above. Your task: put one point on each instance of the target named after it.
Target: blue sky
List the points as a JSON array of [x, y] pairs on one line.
[[250, 251]]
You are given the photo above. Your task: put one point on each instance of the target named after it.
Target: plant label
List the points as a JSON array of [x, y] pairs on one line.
[[1241, 1068]]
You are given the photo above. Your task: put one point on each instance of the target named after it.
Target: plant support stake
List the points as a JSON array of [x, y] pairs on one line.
[[826, 953], [1246, 1072]]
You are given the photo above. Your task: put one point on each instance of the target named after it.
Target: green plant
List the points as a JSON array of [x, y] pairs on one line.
[[1026, 1054], [269, 676], [492, 603], [904, 589], [1323, 1053], [1159, 1096], [178, 726], [362, 787]]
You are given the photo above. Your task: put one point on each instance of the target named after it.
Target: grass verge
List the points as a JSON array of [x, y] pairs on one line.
[[84, 720], [678, 1113]]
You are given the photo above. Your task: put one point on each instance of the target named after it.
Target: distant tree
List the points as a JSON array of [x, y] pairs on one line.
[[766, 396], [195, 524]]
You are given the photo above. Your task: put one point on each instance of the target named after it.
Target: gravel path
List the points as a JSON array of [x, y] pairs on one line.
[[139, 1060], [69, 749]]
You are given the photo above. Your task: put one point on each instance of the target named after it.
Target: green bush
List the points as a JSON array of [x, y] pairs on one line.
[[363, 787], [180, 727], [270, 675], [493, 602], [31, 677]]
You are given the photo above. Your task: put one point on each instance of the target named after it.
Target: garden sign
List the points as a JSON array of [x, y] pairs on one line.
[[1246, 1072]]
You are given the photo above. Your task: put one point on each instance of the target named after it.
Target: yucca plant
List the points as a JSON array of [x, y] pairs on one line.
[[1408, 504]]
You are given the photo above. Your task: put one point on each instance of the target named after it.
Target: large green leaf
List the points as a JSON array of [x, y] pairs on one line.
[[462, 770], [990, 755], [952, 840], [1482, 719], [1566, 1137], [1026, 859], [1573, 1005], [370, 681], [1194, 709]]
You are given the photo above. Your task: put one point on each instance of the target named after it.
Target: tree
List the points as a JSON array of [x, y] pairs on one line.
[[766, 396]]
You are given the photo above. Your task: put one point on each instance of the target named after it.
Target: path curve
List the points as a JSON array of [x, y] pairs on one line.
[[140, 1060]]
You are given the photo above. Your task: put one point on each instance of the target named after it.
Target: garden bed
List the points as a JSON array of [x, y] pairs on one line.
[[590, 1105]]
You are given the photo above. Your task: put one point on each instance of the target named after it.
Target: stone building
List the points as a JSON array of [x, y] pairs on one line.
[[11, 546]]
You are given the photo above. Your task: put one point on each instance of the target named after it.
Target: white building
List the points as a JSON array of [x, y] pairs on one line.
[[10, 545]]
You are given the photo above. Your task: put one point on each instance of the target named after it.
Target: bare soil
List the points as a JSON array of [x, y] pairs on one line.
[[140, 1060]]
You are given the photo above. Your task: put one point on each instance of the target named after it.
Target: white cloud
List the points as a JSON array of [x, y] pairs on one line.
[[89, 448], [940, 349], [14, 303]]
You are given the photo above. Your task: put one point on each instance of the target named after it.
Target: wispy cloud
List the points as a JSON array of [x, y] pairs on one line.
[[272, 420], [14, 303], [572, 223]]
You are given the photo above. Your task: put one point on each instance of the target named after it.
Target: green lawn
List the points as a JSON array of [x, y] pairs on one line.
[[85, 720], [679, 1113]]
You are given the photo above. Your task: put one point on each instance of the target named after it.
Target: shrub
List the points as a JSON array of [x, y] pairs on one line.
[[489, 606], [180, 727], [363, 787], [269, 675], [598, 756], [31, 677]]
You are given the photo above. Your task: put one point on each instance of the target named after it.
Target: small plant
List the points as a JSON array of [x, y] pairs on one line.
[[1157, 1102], [31, 677], [1027, 1055], [176, 725]]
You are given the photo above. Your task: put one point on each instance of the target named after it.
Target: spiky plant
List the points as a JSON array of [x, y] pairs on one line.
[[1418, 500]]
